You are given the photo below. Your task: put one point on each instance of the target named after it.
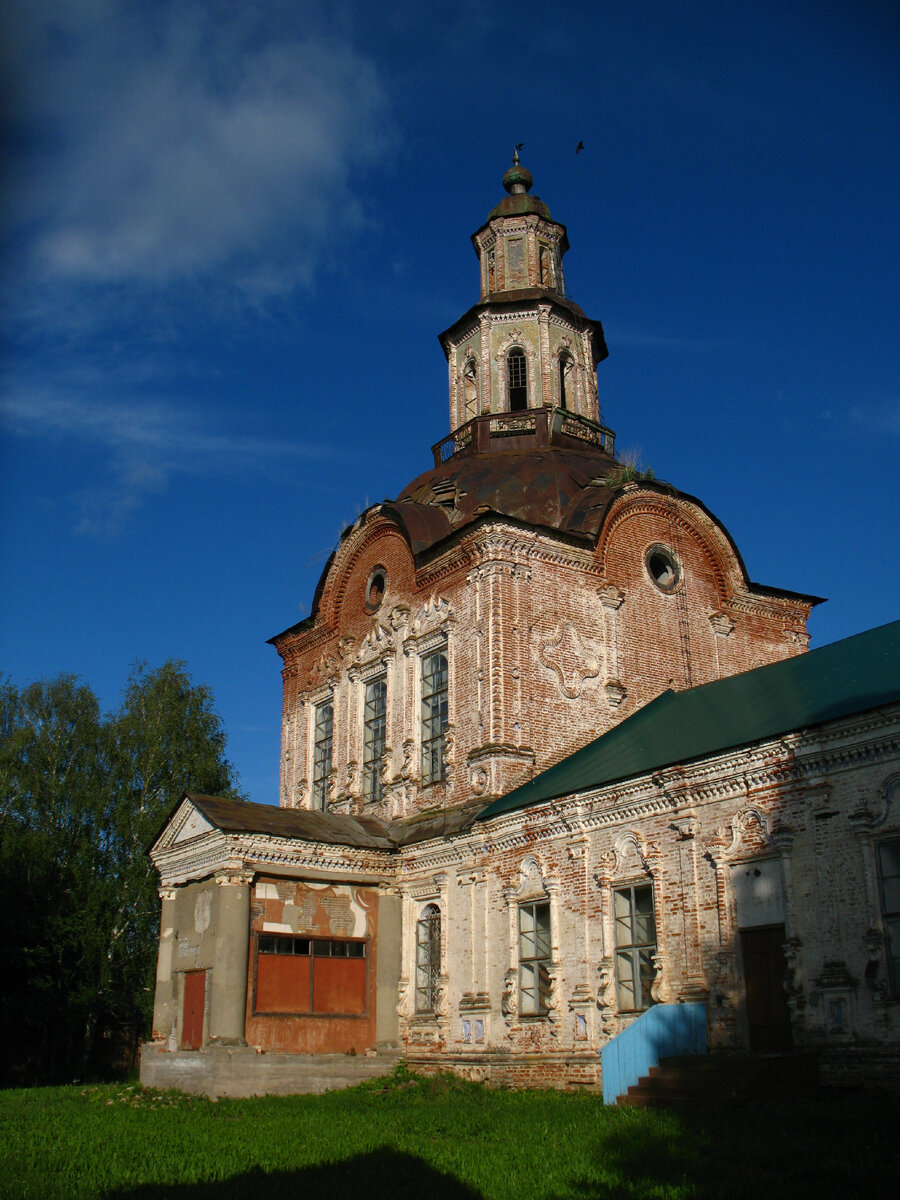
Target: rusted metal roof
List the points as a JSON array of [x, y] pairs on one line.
[[435, 824], [333, 829], [556, 489]]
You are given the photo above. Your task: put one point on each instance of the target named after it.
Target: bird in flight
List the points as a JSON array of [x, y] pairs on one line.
[[579, 147]]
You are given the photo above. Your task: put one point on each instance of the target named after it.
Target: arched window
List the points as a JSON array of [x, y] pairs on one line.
[[516, 380], [428, 958], [322, 747], [546, 262], [565, 376], [434, 716], [470, 384]]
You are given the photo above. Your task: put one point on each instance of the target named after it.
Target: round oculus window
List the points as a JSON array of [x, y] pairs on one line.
[[375, 589], [663, 568]]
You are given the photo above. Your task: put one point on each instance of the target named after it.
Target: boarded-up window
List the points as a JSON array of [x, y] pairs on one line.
[[515, 250], [310, 975]]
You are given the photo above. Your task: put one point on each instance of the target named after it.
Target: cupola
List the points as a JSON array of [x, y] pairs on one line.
[[525, 347], [520, 245]]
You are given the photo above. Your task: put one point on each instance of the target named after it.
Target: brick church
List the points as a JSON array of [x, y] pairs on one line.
[[551, 764]]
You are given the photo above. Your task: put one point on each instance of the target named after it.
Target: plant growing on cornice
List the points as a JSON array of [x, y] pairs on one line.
[[626, 472]]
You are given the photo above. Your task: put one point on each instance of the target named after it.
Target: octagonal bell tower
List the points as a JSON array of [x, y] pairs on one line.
[[525, 345]]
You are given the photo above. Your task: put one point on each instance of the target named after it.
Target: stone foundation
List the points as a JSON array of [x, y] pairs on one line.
[[563, 1071], [240, 1071]]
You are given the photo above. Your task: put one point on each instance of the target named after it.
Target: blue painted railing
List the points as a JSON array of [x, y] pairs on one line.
[[661, 1031]]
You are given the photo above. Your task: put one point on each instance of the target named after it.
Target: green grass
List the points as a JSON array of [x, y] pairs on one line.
[[435, 1140]]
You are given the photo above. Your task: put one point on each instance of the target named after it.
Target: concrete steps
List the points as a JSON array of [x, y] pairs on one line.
[[722, 1078]]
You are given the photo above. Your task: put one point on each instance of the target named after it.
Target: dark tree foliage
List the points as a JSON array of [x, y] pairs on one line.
[[82, 795]]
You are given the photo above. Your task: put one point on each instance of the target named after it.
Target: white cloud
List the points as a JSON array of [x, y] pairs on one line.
[[170, 142], [143, 445]]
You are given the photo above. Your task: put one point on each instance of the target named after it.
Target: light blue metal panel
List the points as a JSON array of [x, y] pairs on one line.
[[663, 1031]]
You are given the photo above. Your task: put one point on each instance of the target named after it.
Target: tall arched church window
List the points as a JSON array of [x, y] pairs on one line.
[[566, 366], [635, 946], [434, 716], [374, 731], [470, 384], [516, 380], [428, 958], [322, 744]]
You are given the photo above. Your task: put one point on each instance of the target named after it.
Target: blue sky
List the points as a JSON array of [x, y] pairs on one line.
[[233, 231]]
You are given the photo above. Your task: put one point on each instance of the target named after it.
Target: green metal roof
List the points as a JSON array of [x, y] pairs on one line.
[[849, 676]]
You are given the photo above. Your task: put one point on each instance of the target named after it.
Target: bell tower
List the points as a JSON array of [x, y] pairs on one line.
[[525, 345]]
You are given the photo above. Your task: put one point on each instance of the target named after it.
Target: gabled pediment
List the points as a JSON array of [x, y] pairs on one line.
[[187, 822]]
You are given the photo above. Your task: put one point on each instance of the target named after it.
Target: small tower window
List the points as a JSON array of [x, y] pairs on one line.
[[515, 257], [517, 380], [470, 384], [544, 261], [565, 376], [492, 270]]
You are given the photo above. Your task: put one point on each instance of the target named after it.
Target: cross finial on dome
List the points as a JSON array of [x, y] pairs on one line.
[[517, 179]]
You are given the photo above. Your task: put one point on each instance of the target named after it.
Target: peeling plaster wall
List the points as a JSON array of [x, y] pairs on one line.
[[187, 943], [283, 906], [807, 814]]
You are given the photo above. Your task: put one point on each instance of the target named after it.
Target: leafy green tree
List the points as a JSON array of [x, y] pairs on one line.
[[166, 739], [82, 795]]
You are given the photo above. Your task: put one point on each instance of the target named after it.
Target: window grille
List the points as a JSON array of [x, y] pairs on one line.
[[517, 380], [428, 958], [374, 730], [635, 946], [322, 745], [434, 716], [889, 886], [534, 959]]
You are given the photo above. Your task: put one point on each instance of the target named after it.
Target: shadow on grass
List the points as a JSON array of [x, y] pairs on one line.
[[381, 1175], [641, 1160]]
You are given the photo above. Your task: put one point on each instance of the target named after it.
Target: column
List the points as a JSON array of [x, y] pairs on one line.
[[228, 998], [164, 1005]]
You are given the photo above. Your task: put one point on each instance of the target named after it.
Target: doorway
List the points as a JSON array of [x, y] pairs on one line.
[[768, 1015], [194, 1005]]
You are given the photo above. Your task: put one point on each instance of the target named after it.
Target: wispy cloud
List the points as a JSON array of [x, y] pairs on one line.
[[143, 445], [165, 142]]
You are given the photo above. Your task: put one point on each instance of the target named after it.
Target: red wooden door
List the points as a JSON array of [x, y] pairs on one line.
[[194, 1004], [768, 1015]]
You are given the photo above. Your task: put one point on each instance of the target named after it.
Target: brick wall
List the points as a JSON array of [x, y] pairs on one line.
[[549, 644]]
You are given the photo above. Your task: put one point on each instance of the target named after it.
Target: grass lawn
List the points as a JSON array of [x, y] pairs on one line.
[[441, 1139]]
